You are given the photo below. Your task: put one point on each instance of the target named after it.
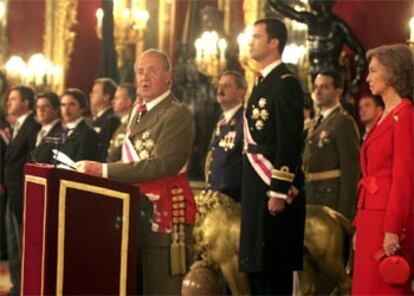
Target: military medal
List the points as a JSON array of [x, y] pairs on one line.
[[228, 142], [260, 114], [144, 146]]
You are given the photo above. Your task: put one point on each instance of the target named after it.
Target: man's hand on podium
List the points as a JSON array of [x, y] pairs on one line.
[[89, 167]]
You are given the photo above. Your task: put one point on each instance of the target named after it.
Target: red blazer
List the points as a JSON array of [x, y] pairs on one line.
[[387, 169]]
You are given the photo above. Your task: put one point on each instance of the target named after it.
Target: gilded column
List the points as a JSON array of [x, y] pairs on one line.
[[59, 37], [3, 34], [139, 45]]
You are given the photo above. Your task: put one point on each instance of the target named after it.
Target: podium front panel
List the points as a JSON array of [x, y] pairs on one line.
[[79, 234], [86, 213], [33, 262]]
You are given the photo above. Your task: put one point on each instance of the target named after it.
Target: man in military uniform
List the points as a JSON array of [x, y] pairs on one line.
[[122, 104], [273, 206], [331, 156], [156, 150], [226, 144], [369, 108]]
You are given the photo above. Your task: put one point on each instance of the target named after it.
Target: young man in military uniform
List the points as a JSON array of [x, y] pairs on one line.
[[122, 104], [331, 156], [273, 206], [156, 151], [225, 155]]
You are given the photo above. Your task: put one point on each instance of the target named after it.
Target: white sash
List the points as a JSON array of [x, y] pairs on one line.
[[260, 164]]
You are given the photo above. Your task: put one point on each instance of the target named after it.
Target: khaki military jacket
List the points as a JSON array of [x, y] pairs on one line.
[[333, 146], [115, 145], [163, 139]]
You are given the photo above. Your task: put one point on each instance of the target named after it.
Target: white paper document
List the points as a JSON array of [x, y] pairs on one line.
[[63, 161]]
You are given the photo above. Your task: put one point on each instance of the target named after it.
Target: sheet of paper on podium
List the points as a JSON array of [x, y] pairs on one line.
[[64, 161]]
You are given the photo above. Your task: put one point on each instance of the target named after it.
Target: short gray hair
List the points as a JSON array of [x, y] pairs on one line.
[[162, 55]]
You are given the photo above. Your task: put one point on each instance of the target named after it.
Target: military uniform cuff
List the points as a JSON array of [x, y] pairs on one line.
[[104, 170], [273, 194], [283, 174]]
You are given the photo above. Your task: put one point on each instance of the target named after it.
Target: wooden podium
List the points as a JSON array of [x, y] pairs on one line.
[[79, 234]]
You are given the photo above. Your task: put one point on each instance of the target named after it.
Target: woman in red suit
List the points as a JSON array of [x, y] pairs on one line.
[[384, 221]]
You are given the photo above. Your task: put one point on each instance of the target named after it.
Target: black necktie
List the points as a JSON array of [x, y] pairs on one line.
[[318, 122]]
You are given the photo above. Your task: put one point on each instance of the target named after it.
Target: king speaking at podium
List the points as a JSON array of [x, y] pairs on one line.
[[155, 153]]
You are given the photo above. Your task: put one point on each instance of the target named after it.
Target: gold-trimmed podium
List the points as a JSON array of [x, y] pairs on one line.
[[80, 234]]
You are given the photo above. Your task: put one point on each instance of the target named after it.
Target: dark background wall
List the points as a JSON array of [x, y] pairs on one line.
[[374, 22]]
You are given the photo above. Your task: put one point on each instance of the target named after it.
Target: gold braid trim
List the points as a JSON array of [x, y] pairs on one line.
[[283, 174]]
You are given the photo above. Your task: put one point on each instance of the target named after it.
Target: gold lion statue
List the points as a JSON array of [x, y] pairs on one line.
[[216, 244]]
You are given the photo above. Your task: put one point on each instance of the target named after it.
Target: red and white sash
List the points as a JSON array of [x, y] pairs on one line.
[[129, 154], [260, 164]]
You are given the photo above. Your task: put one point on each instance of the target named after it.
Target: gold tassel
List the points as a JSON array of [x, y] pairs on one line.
[[175, 252], [181, 246]]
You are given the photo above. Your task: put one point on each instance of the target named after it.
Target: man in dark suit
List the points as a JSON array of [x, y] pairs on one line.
[[20, 104], [104, 120], [122, 104], [79, 141], [225, 155], [273, 205], [48, 137]]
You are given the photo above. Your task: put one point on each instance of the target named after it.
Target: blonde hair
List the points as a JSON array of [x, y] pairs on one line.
[[398, 59]]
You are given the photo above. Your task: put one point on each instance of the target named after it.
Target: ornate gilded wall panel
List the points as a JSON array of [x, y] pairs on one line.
[[253, 10], [59, 38]]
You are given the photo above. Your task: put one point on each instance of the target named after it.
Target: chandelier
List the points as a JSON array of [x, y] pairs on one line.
[[38, 72], [211, 54], [130, 21]]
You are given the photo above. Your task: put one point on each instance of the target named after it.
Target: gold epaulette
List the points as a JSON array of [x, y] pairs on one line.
[[283, 174]]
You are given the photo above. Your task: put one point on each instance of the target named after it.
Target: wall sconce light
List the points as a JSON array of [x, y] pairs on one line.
[[411, 25], [293, 53], [244, 40], [130, 21], [211, 54], [38, 72]]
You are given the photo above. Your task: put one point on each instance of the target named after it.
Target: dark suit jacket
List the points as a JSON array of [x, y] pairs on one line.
[[17, 154], [274, 115], [81, 144], [43, 152], [105, 125], [226, 149]]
